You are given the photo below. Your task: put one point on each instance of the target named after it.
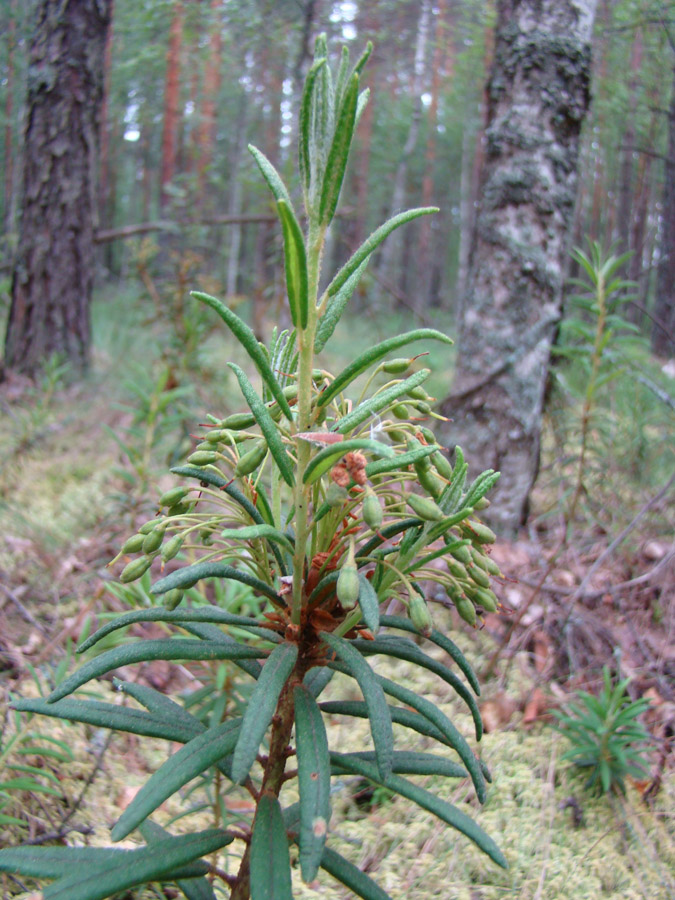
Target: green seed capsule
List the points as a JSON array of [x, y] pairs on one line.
[[215, 436], [428, 435], [172, 547], [372, 510], [250, 461], [175, 495], [179, 509], [431, 484], [348, 588], [237, 421], [492, 568], [483, 503], [153, 541], [147, 527], [133, 544], [135, 569], [418, 393], [419, 615], [442, 464], [336, 496], [204, 445], [421, 406], [479, 577], [202, 457], [423, 464], [487, 599], [425, 508], [396, 366], [400, 410], [172, 598], [466, 610], [397, 436], [479, 532], [463, 554], [457, 569]]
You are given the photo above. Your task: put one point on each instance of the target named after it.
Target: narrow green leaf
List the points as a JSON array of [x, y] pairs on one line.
[[441, 640], [93, 873], [335, 308], [270, 859], [313, 780], [402, 648], [159, 704], [317, 679], [158, 861], [296, 265], [407, 762], [339, 152], [190, 761], [405, 717], [400, 462], [326, 458], [196, 614], [261, 707], [228, 488], [372, 242], [267, 425], [151, 650], [440, 808], [271, 176], [438, 718], [257, 532], [306, 121], [108, 715], [187, 576], [193, 888], [351, 876], [378, 711], [374, 355], [378, 402], [369, 603], [29, 784], [249, 342]]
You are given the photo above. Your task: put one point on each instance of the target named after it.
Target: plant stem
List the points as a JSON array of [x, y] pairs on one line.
[[273, 777], [302, 493]]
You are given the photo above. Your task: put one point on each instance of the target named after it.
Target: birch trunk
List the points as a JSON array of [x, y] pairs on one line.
[[538, 94]]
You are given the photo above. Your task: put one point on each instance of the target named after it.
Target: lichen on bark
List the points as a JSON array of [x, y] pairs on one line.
[[537, 97]]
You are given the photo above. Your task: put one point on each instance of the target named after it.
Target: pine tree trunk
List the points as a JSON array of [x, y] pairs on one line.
[[54, 267], [212, 78], [663, 332], [171, 98], [9, 118], [538, 95]]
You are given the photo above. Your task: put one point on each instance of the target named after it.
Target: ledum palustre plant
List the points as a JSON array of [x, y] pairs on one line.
[[332, 500]]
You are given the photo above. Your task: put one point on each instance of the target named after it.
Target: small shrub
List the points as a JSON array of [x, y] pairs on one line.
[[327, 501], [606, 737]]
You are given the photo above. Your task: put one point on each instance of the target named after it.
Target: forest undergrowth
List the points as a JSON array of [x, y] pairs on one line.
[[68, 492]]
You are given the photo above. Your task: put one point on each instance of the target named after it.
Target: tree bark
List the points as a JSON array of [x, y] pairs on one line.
[[54, 267], [212, 78], [664, 310], [9, 118], [538, 94], [171, 98]]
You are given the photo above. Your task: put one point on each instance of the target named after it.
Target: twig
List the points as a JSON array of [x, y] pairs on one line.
[[612, 547], [90, 780], [27, 615], [58, 835]]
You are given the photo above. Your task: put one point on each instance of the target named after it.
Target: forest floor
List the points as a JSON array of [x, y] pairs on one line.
[[69, 495]]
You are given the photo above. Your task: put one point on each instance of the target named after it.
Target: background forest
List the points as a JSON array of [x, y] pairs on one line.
[[86, 442]]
